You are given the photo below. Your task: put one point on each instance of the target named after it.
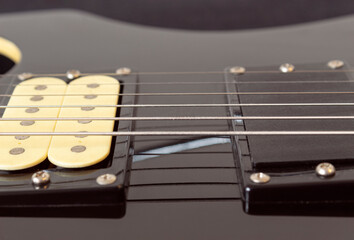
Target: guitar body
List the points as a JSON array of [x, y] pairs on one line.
[[190, 194]]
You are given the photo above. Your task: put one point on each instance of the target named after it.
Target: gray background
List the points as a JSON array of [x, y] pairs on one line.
[[198, 14]]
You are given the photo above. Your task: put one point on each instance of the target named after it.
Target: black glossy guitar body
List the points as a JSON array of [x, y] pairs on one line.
[[174, 194]]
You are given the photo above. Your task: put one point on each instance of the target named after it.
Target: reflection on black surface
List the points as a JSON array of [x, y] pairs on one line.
[[199, 143]]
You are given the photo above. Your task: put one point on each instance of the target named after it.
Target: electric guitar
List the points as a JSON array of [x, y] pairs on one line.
[[117, 131]]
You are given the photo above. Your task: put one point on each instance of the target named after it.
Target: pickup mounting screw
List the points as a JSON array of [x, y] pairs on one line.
[[325, 170], [106, 179], [237, 70], [260, 177], [123, 71], [25, 76], [72, 74], [286, 68], [40, 178], [335, 64]]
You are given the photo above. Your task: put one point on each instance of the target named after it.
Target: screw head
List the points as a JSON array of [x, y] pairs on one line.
[[32, 110], [81, 136], [106, 179], [237, 70], [260, 177], [123, 71], [40, 87], [40, 178], [335, 64], [36, 98], [84, 121], [286, 68], [17, 151], [25, 76], [325, 170], [21, 137], [72, 74], [87, 108], [78, 148], [92, 96], [27, 123], [93, 85]]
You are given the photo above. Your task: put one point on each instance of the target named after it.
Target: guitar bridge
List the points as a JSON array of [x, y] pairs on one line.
[[285, 171]]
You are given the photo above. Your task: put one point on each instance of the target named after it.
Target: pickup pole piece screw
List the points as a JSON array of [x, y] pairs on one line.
[[21, 137], [17, 151], [325, 170], [335, 64], [26, 123], [72, 74], [260, 177], [78, 148], [40, 87], [286, 68], [93, 85], [123, 71], [36, 98], [40, 178], [237, 70], [106, 179]]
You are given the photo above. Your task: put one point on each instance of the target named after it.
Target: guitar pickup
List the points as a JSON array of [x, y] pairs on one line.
[[294, 174], [75, 175]]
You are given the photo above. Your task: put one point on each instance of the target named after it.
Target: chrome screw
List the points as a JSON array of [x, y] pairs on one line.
[[40, 87], [335, 64], [84, 121], [90, 96], [78, 149], [72, 74], [17, 151], [93, 85], [21, 137], [123, 71], [87, 108], [325, 170], [40, 178], [237, 70], [260, 177], [25, 76], [32, 110], [27, 123], [286, 68], [36, 98], [81, 136], [106, 179]]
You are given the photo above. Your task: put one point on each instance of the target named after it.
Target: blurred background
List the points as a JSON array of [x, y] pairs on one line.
[[198, 14]]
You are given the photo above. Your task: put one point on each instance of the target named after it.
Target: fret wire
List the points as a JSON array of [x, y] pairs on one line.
[[180, 133], [183, 118], [184, 105]]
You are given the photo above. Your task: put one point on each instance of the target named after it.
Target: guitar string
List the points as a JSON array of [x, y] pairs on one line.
[[174, 118], [202, 118], [180, 133], [202, 105], [198, 83], [187, 105], [182, 94], [190, 72]]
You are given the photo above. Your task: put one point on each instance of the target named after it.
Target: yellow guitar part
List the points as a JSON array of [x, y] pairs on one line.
[[10, 50], [22, 152], [83, 151]]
